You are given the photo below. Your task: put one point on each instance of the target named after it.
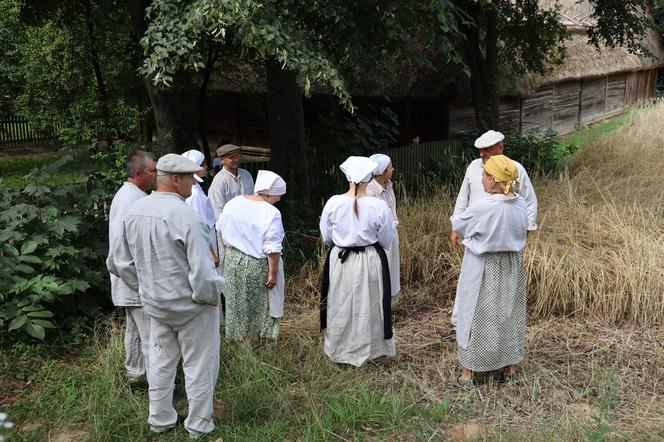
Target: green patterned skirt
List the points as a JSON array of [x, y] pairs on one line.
[[247, 306]]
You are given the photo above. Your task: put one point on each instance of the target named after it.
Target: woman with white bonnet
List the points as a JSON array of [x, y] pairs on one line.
[[253, 234], [355, 308], [200, 202], [491, 292], [381, 187]]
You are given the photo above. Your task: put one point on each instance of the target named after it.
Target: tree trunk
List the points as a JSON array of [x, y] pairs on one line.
[[491, 67], [96, 67], [202, 100], [289, 153], [172, 134], [482, 61]]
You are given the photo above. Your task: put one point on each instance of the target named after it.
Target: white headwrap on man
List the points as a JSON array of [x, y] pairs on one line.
[[197, 157], [269, 183], [358, 169], [382, 160]]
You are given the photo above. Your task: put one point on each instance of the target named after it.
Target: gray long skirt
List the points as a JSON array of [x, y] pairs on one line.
[[497, 336]]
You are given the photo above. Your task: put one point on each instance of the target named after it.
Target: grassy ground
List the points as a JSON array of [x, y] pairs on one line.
[[15, 167], [594, 368]]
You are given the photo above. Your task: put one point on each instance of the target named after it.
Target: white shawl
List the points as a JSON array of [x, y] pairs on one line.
[[492, 223]]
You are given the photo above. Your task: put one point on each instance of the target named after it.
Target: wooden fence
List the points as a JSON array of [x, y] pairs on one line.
[[17, 132], [418, 166]]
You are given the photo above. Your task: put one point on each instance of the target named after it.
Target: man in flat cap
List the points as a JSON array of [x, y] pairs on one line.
[[141, 174], [163, 254], [231, 181], [489, 144]]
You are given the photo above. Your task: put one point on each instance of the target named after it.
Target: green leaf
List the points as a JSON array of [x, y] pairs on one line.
[[35, 330], [32, 308], [30, 258], [11, 249], [24, 268], [43, 323], [17, 322], [29, 247], [41, 314]]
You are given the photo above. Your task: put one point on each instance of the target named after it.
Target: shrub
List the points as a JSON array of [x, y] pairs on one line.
[[53, 245], [537, 151]]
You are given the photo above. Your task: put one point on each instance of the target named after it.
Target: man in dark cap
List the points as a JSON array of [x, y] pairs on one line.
[[231, 181]]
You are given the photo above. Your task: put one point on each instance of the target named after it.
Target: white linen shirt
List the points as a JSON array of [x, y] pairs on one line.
[[163, 254], [492, 223], [202, 205], [128, 194], [374, 188], [252, 227], [225, 186], [374, 224], [472, 188]]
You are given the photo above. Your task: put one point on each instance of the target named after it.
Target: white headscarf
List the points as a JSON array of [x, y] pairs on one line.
[[197, 157], [382, 160], [358, 169], [269, 183]]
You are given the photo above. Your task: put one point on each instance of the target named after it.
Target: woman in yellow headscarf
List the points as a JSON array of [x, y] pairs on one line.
[[491, 293]]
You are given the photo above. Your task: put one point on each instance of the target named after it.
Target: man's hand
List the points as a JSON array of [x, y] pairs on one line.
[[455, 239], [271, 280]]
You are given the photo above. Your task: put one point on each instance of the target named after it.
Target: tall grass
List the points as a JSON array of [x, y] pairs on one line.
[[599, 251], [597, 257]]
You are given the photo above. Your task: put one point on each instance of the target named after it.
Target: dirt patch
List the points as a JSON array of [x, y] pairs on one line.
[[68, 436], [465, 432], [11, 391]]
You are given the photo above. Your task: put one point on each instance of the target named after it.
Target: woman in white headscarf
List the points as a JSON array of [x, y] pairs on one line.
[[381, 187], [253, 235], [355, 308], [200, 202]]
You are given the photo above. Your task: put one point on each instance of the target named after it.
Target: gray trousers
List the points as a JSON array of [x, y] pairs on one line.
[[137, 342], [197, 342]]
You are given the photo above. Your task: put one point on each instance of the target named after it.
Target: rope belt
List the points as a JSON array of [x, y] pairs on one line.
[[343, 255]]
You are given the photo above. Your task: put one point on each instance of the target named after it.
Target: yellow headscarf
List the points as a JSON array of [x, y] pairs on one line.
[[504, 171]]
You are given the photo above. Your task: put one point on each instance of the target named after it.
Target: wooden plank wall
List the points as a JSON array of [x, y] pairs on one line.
[[510, 114], [593, 96], [462, 118], [566, 106], [640, 87], [615, 95], [537, 109]]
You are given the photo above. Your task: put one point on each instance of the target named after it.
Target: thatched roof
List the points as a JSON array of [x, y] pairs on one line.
[[582, 59]]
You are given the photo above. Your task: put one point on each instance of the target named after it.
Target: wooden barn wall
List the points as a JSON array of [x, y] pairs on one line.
[[566, 106], [510, 114], [462, 118], [537, 109], [593, 97], [615, 95], [640, 87]]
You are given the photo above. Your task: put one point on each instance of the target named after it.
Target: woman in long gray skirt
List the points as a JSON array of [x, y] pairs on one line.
[[491, 293]]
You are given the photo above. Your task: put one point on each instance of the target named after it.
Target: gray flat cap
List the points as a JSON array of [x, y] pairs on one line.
[[174, 163], [227, 149]]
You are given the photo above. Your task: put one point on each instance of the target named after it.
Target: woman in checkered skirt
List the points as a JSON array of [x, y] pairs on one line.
[[491, 293]]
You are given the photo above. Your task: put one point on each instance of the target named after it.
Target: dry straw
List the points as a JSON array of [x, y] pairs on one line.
[[599, 251]]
